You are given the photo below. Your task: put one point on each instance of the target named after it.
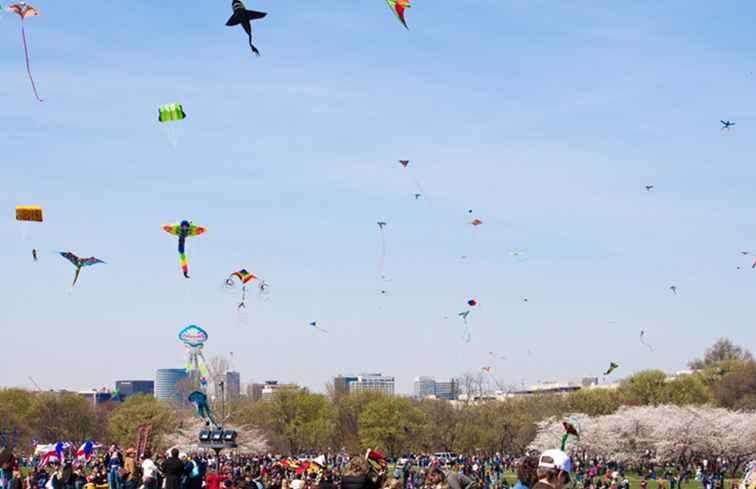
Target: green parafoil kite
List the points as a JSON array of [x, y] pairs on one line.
[[171, 112]]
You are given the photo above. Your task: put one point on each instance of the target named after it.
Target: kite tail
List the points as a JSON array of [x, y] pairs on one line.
[[76, 277], [182, 256], [26, 57], [468, 334]]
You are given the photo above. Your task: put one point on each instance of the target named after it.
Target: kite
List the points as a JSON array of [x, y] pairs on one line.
[[472, 303], [487, 370], [476, 222], [183, 230], [419, 192], [171, 112], [467, 336], [34, 255], [79, 263], [498, 357], [377, 465], [314, 324], [23, 10], [745, 253], [199, 399], [381, 262], [673, 288], [29, 213], [404, 163], [417, 196], [194, 338], [727, 125], [398, 7], [649, 188], [570, 429], [245, 17], [244, 276], [643, 341], [612, 367]]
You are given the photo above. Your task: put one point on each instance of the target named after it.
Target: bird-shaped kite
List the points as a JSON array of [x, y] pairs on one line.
[[398, 7], [79, 263], [612, 367], [23, 10], [245, 17], [727, 125], [649, 188], [183, 230], [569, 430], [417, 196]]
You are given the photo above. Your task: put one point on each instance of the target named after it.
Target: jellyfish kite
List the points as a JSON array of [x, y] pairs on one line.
[[612, 367], [202, 408], [79, 263], [398, 7], [194, 338], [23, 10], [183, 230]]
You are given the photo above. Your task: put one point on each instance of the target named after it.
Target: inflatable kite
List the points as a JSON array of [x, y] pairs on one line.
[[398, 7], [612, 367], [194, 338], [244, 17], [79, 263], [171, 112], [29, 213], [23, 10], [199, 399], [183, 230]]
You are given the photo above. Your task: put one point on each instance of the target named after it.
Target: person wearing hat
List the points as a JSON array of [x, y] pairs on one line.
[[554, 467]]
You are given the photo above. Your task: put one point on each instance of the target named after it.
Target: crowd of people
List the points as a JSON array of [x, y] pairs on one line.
[[553, 469]]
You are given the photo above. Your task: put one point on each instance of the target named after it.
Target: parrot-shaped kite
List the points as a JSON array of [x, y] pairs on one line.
[[398, 7], [79, 263], [183, 230]]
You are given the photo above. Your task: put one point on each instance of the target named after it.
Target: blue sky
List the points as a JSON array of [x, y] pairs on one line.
[[545, 118]]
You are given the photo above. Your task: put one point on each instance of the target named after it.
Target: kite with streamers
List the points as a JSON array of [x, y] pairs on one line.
[[23, 10], [382, 261], [243, 277], [202, 408], [398, 7], [314, 325], [467, 335], [420, 192], [183, 230], [194, 338], [643, 341], [79, 263], [571, 428], [612, 367]]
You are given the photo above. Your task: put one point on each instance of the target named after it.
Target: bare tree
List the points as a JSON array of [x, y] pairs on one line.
[[721, 351]]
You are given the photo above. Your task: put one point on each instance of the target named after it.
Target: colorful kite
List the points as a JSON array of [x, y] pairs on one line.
[[183, 230], [194, 339], [643, 341], [171, 112], [244, 17], [612, 367], [314, 324], [243, 276], [476, 222], [570, 429], [199, 399], [79, 263], [398, 7], [467, 335], [472, 303], [487, 370], [23, 10]]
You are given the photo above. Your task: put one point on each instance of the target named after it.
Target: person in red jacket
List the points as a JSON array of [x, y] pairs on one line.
[[213, 480]]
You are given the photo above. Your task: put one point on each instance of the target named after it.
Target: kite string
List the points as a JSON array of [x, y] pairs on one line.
[[26, 57]]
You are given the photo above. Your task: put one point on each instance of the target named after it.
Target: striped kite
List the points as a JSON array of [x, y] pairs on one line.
[[244, 276], [398, 7], [183, 230]]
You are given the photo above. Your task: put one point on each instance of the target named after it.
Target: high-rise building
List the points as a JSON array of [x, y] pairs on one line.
[[126, 388], [447, 389], [254, 391], [233, 386], [96, 396], [166, 380], [264, 392], [364, 382], [425, 387]]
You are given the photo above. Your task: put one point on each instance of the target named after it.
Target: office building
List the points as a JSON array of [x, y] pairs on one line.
[[97, 397], [447, 389], [233, 386], [425, 387], [166, 380], [264, 392], [364, 382], [126, 388]]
